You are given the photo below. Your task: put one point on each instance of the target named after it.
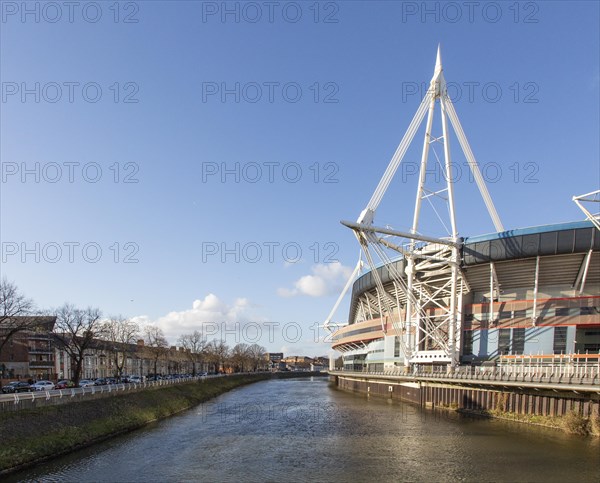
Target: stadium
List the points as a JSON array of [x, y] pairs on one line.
[[534, 295], [524, 296]]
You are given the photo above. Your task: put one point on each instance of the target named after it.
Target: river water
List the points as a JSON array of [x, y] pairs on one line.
[[307, 430]]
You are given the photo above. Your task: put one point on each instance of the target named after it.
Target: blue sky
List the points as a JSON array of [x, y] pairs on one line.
[[331, 93]]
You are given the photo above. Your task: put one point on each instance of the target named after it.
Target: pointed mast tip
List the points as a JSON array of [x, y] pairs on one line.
[[438, 59]]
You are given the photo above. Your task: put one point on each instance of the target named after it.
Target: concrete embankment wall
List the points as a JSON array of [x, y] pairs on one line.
[[530, 402], [484, 401]]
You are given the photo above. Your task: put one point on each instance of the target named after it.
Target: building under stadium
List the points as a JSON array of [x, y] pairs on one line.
[[520, 296]]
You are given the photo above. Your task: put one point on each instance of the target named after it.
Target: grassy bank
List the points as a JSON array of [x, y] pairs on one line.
[[571, 422], [30, 436]]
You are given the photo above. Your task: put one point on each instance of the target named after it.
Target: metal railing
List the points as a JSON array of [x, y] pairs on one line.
[[16, 399], [582, 374]]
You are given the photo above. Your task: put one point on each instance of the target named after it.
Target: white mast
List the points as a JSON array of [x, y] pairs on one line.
[[432, 280], [593, 197]]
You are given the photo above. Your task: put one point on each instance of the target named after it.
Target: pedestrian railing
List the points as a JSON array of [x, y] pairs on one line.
[[583, 375], [17, 400]]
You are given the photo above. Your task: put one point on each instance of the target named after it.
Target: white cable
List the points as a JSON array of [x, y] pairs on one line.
[[462, 139], [399, 154]]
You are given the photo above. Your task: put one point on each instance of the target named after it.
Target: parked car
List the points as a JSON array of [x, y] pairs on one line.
[[16, 386], [86, 383], [43, 386], [101, 381], [135, 379], [64, 384]]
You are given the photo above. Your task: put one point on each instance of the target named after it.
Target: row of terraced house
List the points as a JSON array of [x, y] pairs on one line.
[[37, 354]]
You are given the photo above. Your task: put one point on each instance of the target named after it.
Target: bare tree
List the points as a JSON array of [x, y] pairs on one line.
[[120, 334], [13, 307], [211, 357], [257, 356], [76, 330], [218, 352], [240, 357], [156, 343], [194, 344]]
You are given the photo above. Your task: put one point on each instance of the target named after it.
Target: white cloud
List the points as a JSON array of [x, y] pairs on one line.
[[326, 279], [210, 310]]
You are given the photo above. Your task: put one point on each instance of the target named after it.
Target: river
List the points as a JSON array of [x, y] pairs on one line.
[[307, 430]]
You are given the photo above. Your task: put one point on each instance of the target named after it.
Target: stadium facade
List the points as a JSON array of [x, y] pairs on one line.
[[534, 295], [520, 296]]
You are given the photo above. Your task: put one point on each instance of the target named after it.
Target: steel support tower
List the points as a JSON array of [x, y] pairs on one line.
[[422, 307]]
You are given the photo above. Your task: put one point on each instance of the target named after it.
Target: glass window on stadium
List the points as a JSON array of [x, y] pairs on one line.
[[468, 342], [518, 341], [504, 341], [560, 340], [587, 340], [567, 311], [397, 346], [355, 362]]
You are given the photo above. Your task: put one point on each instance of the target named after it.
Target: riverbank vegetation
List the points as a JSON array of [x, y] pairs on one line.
[[29, 436], [572, 422]]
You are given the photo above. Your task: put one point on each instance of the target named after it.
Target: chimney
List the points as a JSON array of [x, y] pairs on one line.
[[140, 342]]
